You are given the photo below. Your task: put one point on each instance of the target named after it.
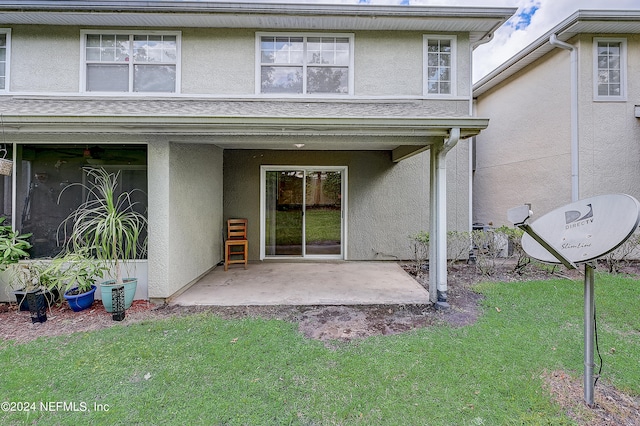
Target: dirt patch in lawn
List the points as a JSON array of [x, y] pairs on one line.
[[611, 406], [332, 324]]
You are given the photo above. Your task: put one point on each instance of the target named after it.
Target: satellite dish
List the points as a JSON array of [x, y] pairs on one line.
[[579, 233], [586, 229]]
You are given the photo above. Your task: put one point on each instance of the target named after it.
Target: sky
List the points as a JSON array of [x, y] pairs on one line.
[[533, 19]]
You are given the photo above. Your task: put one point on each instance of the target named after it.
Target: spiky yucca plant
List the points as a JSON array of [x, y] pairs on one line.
[[105, 223]]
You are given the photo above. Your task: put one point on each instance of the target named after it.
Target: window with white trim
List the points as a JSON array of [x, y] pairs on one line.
[[439, 65], [305, 64], [5, 42], [131, 62], [610, 58]]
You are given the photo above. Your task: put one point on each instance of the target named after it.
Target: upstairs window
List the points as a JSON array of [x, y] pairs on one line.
[[305, 64], [440, 65], [5, 35], [120, 62], [610, 69]]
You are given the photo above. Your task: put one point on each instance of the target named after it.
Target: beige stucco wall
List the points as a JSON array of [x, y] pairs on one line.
[[222, 62], [384, 69], [185, 238], [387, 202], [609, 131], [524, 155], [45, 59], [218, 61], [392, 64]]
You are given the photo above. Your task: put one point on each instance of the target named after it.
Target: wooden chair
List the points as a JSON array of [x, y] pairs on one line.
[[236, 237]]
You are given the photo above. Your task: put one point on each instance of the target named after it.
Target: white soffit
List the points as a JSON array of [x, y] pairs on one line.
[[582, 22], [478, 21]]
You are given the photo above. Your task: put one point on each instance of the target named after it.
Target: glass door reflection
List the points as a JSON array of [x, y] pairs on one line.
[[323, 213], [284, 191]]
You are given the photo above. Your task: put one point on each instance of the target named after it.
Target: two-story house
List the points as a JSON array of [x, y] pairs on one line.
[[564, 120], [337, 130]]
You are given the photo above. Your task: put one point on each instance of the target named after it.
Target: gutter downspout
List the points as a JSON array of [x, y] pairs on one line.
[[589, 304], [472, 256], [575, 179], [438, 218]]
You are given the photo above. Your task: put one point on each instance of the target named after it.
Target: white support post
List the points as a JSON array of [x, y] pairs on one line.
[[438, 219], [434, 209]]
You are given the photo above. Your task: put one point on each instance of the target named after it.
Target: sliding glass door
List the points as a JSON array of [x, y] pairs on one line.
[[302, 211], [283, 209]]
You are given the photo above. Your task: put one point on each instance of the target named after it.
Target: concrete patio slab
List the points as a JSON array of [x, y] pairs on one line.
[[322, 283]]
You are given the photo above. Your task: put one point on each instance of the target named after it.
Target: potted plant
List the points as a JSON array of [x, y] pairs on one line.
[[13, 245], [23, 278], [108, 224], [31, 277], [74, 274]]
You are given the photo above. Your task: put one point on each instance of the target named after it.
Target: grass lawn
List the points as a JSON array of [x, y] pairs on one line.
[[204, 370]]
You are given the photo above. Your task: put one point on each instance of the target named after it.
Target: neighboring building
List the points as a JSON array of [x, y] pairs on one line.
[[312, 121], [525, 156]]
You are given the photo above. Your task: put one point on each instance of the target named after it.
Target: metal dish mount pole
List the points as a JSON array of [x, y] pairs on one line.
[[519, 216]]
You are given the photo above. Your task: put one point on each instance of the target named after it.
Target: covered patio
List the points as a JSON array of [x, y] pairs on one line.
[[205, 157], [305, 283]]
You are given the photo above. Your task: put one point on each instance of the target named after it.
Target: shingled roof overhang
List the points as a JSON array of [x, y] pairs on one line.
[[479, 22], [238, 124], [581, 22]]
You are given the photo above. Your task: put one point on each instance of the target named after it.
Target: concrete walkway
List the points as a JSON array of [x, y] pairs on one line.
[[322, 283]]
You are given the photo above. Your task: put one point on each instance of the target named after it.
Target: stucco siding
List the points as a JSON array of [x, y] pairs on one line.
[[524, 154], [188, 194], [196, 211], [45, 59], [218, 61], [222, 62], [384, 69], [159, 219], [387, 202], [609, 131], [463, 71]]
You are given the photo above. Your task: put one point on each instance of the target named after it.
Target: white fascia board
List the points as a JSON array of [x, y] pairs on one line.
[[243, 126], [476, 20]]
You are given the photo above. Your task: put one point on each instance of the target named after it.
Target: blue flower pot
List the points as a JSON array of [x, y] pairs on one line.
[[79, 302]]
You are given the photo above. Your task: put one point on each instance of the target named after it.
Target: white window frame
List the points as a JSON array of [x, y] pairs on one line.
[[83, 60], [454, 60], [7, 64], [623, 70], [305, 36]]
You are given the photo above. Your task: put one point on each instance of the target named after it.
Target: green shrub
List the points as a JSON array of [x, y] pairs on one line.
[[420, 247], [619, 256]]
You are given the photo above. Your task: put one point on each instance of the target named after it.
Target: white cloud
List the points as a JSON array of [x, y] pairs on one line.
[[508, 40]]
